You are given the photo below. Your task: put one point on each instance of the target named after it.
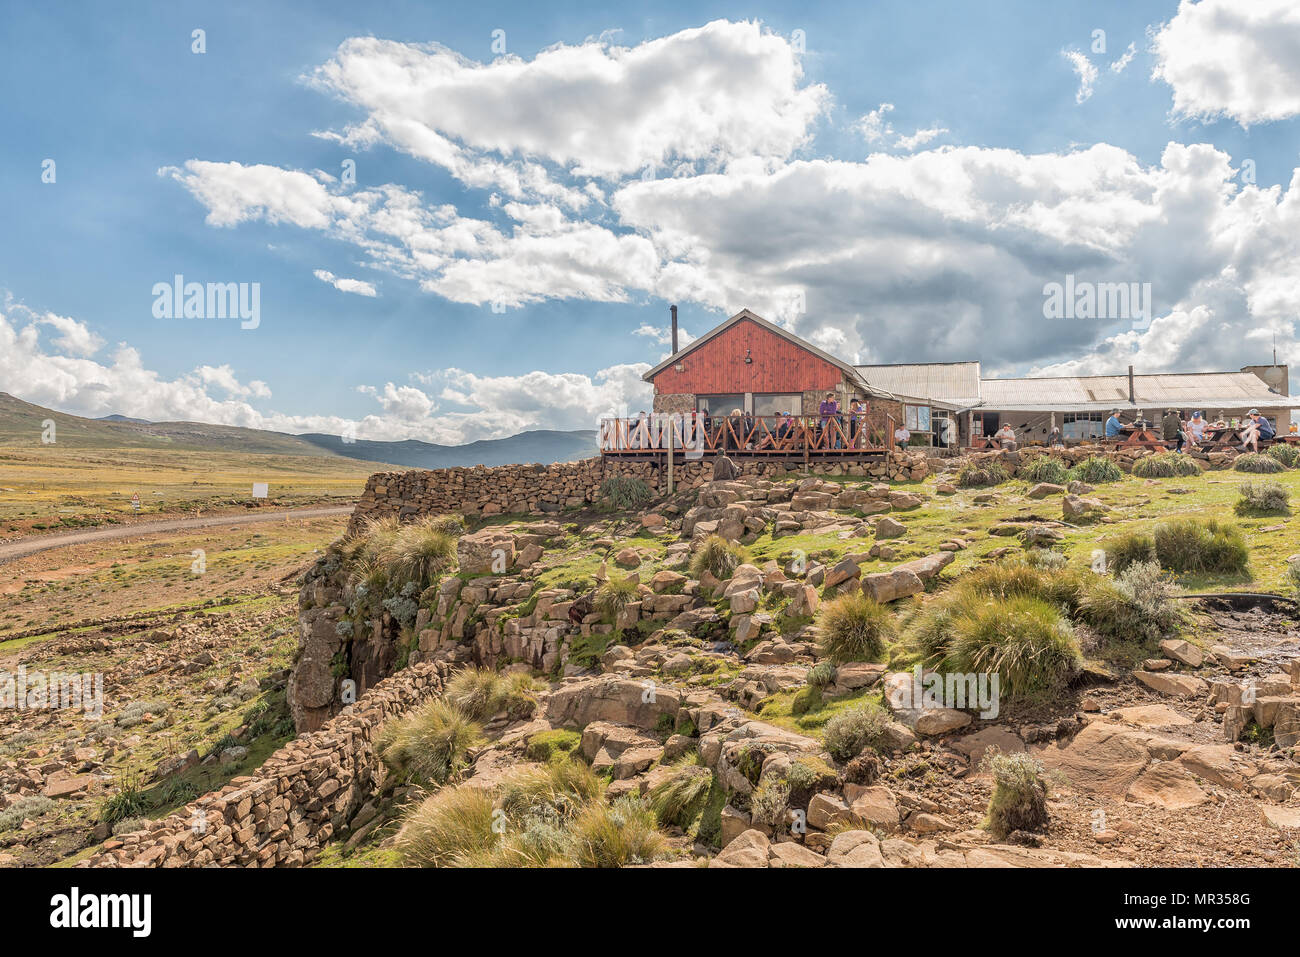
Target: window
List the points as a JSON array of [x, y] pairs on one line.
[[719, 404], [1083, 425], [917, 418], [776, 404]]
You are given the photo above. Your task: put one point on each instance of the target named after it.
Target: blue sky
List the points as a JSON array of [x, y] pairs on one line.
[[804, 176]]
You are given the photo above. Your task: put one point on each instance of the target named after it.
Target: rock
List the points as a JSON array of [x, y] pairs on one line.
[[875, 807], [666, 581], [826, 809], [805, 602], [927, 567], [923, 823], [1044, 489], [1286, 818], [976, 745], [1075, 506], [628, 558], [855, 849], [1149, 716], [1215, 763], [936, 721], [889, 528], [905, 500], [1166, 785], [1183, 652], [846, 570], [641, 704], [734, 824], [1079, 488], [854, 675], [790, 854], [1181, 686], [892, 585], [486, 552], [1104, 759], [1230, 659], [749, 849], [63, 784]]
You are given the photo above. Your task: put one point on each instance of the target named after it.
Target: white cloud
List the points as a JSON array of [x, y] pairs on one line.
[[1086, 72], [1118, 66], [873, 126], [1233, 59], [919, 138], [358, 286], [74, 338]]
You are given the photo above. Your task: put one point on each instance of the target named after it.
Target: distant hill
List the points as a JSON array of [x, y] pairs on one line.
[[22, 424]]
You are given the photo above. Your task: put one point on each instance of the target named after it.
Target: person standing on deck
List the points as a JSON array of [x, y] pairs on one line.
[[829, 410]]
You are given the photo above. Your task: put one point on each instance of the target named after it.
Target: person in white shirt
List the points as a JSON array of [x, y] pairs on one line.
[[901, 435], [1006, 437]]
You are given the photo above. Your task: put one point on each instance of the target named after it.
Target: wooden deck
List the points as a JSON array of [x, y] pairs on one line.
[[780, 437]]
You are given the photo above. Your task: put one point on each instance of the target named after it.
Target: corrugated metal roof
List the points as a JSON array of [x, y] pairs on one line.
[[1205, 390], [954, 382]]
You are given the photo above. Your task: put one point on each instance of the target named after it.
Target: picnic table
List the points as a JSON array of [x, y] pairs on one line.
[[1148, 436]]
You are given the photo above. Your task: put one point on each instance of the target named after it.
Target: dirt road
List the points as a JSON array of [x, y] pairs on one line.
[[41, 543]]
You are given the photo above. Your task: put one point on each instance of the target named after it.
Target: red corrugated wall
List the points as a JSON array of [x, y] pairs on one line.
[[719, 367]]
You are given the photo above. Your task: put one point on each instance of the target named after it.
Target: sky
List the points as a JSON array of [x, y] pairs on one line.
[[465, 221]]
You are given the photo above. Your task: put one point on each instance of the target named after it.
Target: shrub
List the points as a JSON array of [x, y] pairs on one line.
[[520, 694], [1256, 462], [1045, 468], [1201, 546], [135, 712], [616, 835], [476, 692], [1166, 465], [1285, 453], [1045, 559], [718, 557], [768, 804], [821, 674], [1293, 575], [449, 829], [846, 734], [1025, 640], [420, 552], [625, 493], [23, 809], [1138, 606], [615, 595], [1128, 549], [854, 627], [1267, 498], [982, 475], [537, 842], [429, 745], [546, 745], [1019, 801], [677, 800], [1096, 470], [450, 524], [129, 801]]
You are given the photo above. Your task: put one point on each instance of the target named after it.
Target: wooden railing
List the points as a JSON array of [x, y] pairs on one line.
[[694, 435]]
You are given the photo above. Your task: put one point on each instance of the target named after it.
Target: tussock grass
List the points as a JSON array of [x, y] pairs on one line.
[[1189, 545], [854, 627], [616, 835], [625, 493], [1045, 468], [718, 557], [557, 791], [481, 693], [1258, 462], [1019, 801], [1166, 465], [428, 745], [1128, 549], [1263, 498], [1026, 641], [614, 595], [452, 828], [1285, 453], [983, 475], [679, 799], [1096, 470]]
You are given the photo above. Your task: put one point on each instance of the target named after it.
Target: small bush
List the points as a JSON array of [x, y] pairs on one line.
[[135, 712], [450, 524], [821, 674], [558, 791], [129, 801], [129, 824], [679, 799], [1293, 575], [982, 475], [1026, 641], [1285, 453], [846, 734], [616, 835], [1044, 559], [854, 627], [449, 829], [1139, 606], [1257, 462], [1166, 465], [429, 745], [1263, 498], [1128, 549], [769, 802], [1045, 468], [476, 692], [1189, 545], [615, 595], [1019, 801], [625, 493], [23, 809], [718, 557], [420, 552], [1096, 470]]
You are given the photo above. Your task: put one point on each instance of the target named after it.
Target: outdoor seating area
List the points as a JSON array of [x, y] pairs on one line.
[[693, 435]]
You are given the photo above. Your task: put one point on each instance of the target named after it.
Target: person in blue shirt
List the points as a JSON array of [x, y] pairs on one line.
[[1113, 424], [1257, 427]]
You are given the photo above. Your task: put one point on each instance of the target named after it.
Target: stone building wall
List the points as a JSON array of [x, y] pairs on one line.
[[299, 799]]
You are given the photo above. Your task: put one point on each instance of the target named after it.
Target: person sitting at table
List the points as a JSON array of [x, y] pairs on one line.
[[1196, 428], [1006, 437], [1113, 425], [1172, 428], [902, 435], [1257, 427]]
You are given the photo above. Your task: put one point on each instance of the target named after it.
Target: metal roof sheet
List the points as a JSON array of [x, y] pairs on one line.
[[953, 382], [1200, 389]]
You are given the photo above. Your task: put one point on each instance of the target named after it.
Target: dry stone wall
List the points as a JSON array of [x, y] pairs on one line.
[[303, 796], [542, 489]]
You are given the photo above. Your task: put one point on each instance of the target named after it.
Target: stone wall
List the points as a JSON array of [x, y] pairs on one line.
[[548, 489], [302, 796]]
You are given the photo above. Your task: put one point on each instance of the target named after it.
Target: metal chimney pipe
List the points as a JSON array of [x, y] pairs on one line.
[[1131, 394], [673, 310]]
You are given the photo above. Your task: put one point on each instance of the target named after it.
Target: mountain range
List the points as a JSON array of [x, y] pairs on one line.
[[22, 424]]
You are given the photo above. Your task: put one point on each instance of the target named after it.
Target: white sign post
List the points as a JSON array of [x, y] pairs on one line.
[[260, 489]]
